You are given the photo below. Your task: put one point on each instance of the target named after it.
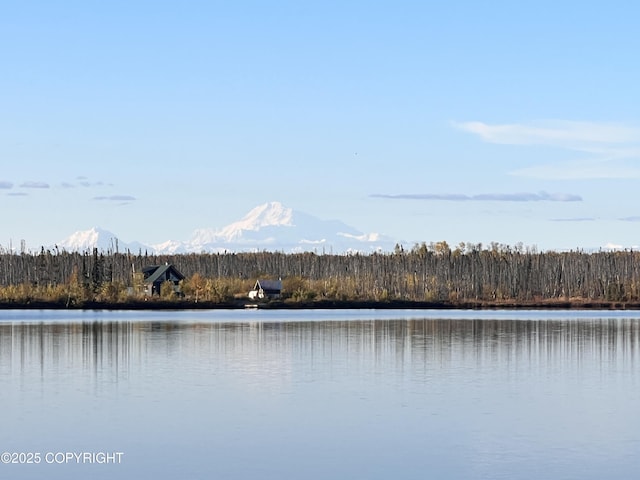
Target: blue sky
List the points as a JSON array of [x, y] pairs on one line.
[[426, 121]]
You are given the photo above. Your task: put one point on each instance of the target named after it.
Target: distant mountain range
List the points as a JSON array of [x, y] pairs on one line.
[[99, 238], [268, 227]]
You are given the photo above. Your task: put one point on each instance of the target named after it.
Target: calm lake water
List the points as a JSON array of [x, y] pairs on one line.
[[322, 394]]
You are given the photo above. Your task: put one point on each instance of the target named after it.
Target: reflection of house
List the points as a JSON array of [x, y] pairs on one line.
[[266, 289], [156, 275]]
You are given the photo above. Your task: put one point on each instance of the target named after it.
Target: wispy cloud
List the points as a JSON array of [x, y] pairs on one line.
[[5, 185], [568, 134], [586, 169], [34, 185], [485, 197], [17, 194], [82, 181], [88, 184], [116, 198], [634, 218], [574, 219], [612, 149]]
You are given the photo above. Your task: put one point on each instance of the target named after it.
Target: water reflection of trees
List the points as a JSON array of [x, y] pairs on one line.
[[270, 348]]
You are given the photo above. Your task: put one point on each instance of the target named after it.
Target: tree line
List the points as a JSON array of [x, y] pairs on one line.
[[432, 272]]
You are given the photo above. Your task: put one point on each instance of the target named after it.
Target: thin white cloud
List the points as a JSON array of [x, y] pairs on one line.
[[34, 185], [634, 218], [5, 185], [568, 134], [574, 219], [485, 197], [586, 169], [82, 181], [17, 194], [115, 198], [613, 149]]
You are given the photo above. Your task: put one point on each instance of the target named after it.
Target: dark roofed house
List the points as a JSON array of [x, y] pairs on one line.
[[156, 275], [266, 289]]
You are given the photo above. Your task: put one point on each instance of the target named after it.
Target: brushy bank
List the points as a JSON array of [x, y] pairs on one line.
[[426, 276]]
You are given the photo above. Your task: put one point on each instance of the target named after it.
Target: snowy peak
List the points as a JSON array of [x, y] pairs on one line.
[[270, 226], [99, 238], [266, 215], [272, 214], [95, 237]]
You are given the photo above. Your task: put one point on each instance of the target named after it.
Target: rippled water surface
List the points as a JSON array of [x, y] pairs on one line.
[[323, 394]]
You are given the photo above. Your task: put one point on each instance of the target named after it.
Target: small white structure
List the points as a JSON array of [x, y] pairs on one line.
[[266, 289]]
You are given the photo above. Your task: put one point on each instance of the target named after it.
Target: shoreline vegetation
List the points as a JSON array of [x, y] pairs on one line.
[[428, 276], [181, 304]]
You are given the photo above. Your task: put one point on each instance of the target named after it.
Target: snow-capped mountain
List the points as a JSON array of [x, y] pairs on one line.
[[272, 214], [270, 227], [99, 238], [273, 226]]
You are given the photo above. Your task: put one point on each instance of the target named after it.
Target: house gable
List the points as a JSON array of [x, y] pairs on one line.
[[156, 275]]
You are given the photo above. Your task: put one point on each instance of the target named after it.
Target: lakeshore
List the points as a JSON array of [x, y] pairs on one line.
[[160, 304]]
